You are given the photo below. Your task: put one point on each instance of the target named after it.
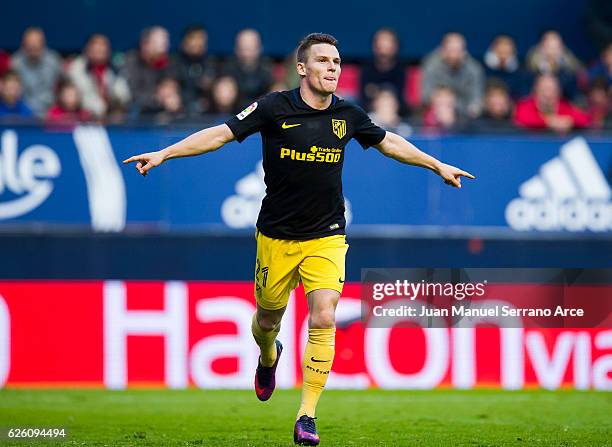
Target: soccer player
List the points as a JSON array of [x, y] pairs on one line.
[[301, 226]]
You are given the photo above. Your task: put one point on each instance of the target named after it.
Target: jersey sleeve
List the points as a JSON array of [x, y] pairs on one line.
[[366, 132], [252, 119]]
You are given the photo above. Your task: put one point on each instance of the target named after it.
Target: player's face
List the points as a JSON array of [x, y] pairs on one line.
[[322, 68]]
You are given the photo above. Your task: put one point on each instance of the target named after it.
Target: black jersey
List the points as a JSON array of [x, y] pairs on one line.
[[303, 154]]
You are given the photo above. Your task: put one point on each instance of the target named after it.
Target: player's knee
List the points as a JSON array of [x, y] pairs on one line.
[[267, 324], [323, 319]]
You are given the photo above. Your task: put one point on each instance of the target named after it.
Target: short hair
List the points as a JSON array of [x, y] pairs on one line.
[[388, 30], [496, 84], [167, 79], [441, 88], [95, 36], [10, 74], [501, 37], [65, 83], [313, 39], [543, 76], [33, 29], [194, 28], [545, 31], [599, 83], [452, 34], [145, 34]]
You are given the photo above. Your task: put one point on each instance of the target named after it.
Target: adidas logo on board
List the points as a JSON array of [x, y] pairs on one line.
[[569, 193]]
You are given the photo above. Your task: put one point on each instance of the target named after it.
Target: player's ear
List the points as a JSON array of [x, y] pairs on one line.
[[301, 68]]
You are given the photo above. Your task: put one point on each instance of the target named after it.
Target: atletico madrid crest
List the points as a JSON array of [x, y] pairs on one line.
[[339, 127]]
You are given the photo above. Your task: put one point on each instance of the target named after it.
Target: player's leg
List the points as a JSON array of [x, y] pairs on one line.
[[316, 362], [322, 272], [265, 328], [320, 347], [275, 277]]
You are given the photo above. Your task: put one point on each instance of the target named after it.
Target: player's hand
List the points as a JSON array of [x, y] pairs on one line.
[[452, 175], [144, 162]]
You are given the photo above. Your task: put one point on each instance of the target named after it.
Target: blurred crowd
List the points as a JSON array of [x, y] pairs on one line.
[[449, 91]]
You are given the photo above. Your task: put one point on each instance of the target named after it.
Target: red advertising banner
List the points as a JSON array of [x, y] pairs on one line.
[[117, 334]]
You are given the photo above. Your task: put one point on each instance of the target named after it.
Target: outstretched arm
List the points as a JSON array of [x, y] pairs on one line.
[[206, 140], [399, 149]]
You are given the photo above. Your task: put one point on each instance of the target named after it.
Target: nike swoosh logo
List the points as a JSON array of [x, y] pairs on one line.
[[318, 361], [340, 279], [289, 126]]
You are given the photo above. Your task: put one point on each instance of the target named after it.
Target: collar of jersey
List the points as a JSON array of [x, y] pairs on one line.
[[297, 99]]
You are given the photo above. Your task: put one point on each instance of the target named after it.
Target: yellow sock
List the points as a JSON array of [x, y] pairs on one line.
[[265, 341], [317, 362]]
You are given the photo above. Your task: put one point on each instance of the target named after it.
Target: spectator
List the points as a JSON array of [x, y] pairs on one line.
[[550, 56], [145, 67], [168, 104], [39, 69], [5, 62], [497, 113], [225, 98], [67, 108], [547, 109], [385, 112], [252, 72], [100, 87], [450, 65], [442, 112], [598, 102], [603, 68], [12, 104], [501, 62], [384, 69], [195, 69]]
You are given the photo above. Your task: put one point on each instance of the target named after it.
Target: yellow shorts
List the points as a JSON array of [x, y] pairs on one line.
[[281, 263]]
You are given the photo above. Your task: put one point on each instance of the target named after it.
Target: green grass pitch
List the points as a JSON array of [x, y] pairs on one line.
[[345, 418]]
